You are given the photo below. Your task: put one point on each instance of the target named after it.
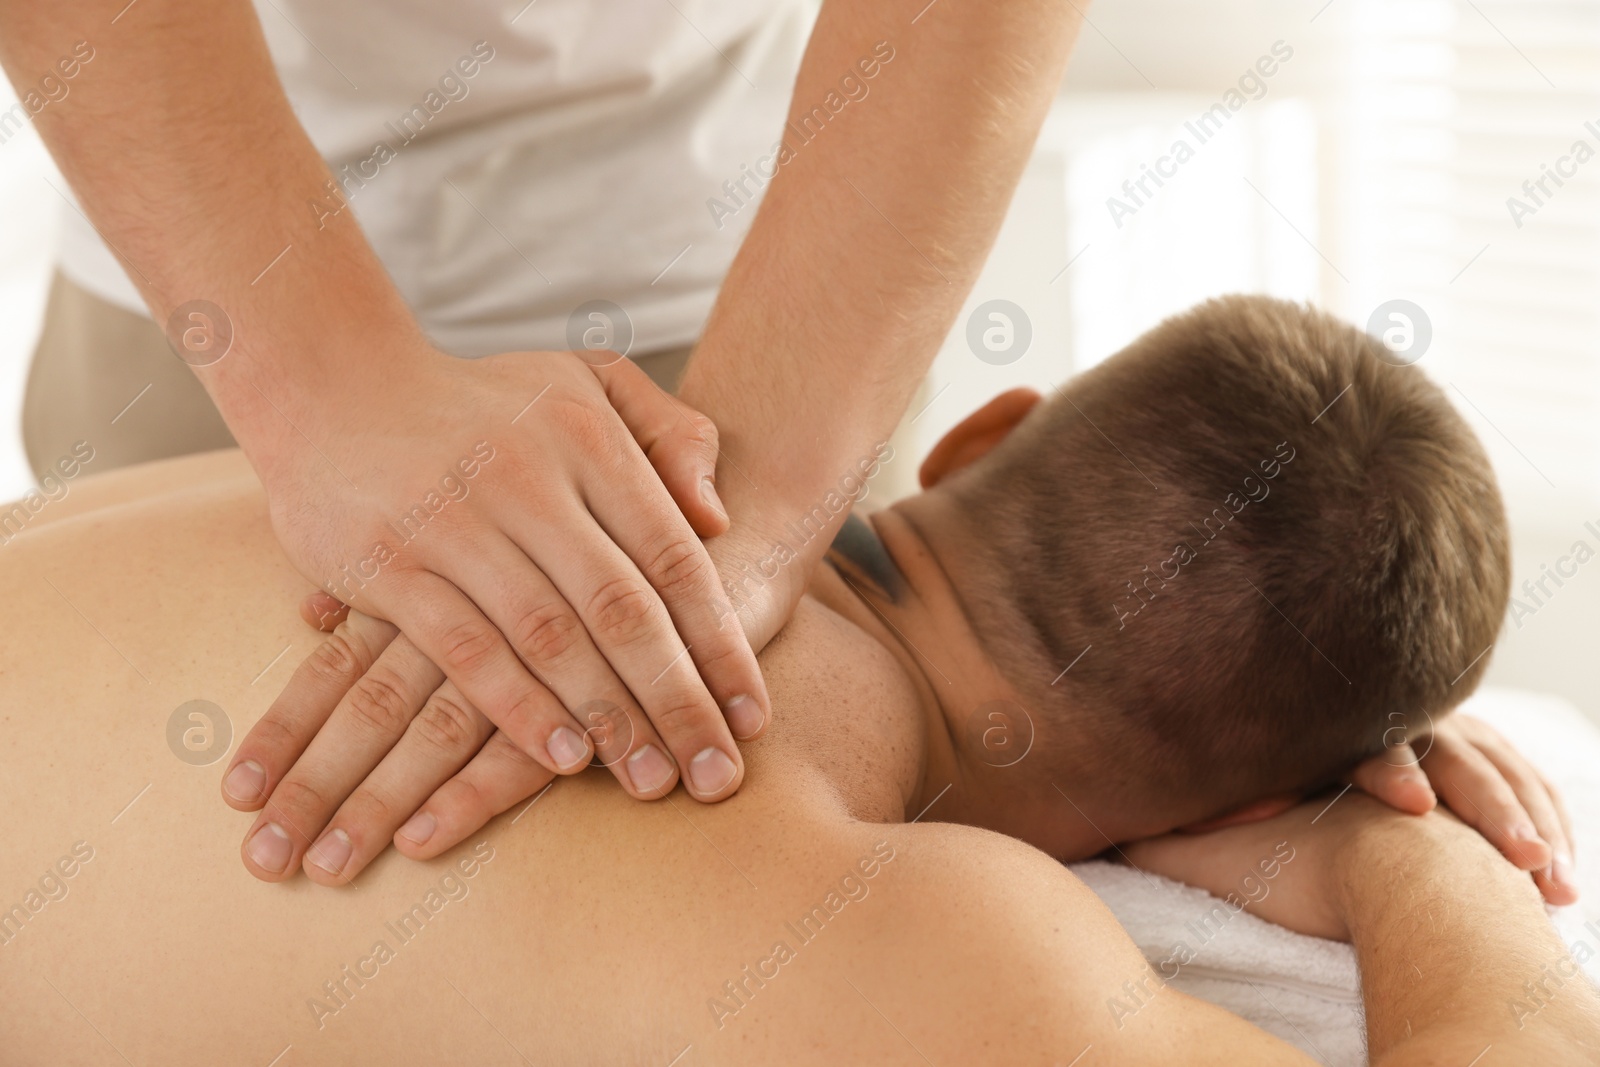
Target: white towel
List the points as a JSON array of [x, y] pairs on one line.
[[1304, 989]]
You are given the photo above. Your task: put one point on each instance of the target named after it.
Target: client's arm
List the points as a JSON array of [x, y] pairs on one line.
[[1491, 787], [1447, 934], [1431, 897], [1446, 931]]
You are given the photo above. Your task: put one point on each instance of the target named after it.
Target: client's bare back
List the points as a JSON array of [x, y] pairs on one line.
[[785, 925]]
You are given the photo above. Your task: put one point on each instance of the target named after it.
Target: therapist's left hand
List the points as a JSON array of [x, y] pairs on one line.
[[440, 773]]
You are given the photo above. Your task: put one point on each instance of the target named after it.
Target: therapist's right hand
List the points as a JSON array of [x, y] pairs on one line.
[[561, 576]]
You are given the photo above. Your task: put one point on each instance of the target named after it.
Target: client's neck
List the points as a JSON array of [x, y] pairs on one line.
[[989, 760]]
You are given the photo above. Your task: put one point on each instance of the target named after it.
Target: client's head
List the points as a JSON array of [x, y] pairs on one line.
[[1263, 550]]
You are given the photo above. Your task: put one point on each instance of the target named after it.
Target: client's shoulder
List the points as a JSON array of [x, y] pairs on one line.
[[979, 944], [843, 708], [821, 651]]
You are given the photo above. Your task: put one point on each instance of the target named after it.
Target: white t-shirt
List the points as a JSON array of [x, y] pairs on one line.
[[513, 160]]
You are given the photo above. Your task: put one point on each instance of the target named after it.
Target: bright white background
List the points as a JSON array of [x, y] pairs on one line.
[[28, 222], [1377, 166]]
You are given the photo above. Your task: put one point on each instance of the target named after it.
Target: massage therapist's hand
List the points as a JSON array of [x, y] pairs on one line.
[[351, 789], [1488, 785], [538, 558]]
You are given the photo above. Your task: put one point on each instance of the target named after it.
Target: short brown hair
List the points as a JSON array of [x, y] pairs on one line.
[[1275, 544]]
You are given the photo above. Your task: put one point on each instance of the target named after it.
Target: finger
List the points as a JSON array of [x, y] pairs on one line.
[[451, 630], [681, 572], [545, 631], [1556, 880], [1562, 870], [1480, 796], [643, 524], [634, 629], [323, 611], [368, 721], [679, 442], [497, 777], [318, 684], [1395, 779], [627, 745], [644, 528], [443, 737], [1561, 809]]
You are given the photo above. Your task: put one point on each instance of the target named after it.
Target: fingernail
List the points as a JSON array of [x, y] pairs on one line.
[[269, 848], [245, 782], [744, 716], [419, 828], [566, 748], [332, 852], [648, 769], [708, 493], [710, 771], [1524, 832], [1561, 871]]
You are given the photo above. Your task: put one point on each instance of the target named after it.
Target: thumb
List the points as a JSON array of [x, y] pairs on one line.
[[679, 441], [322, 611], [1395, 778]]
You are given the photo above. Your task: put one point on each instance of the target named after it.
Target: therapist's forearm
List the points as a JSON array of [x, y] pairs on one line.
[[868, 241], [185, 154]]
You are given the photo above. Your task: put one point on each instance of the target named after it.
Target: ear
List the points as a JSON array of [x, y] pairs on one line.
[[974, 435], [1255, 811]]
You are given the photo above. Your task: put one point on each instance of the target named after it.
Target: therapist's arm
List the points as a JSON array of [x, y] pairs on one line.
[[869, 238], [540, 534], [867, 242]]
